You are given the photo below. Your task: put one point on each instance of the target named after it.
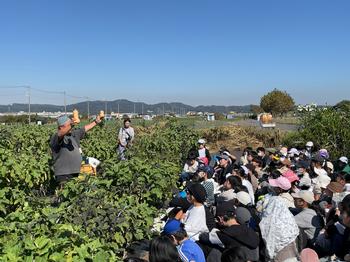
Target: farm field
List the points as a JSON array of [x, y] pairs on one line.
[[94, 218], [91, 219]]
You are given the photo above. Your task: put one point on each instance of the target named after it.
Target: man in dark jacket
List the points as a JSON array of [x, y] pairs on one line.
[[344, 251], [232, 234]]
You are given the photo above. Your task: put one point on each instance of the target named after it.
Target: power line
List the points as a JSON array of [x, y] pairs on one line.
[[77, 97], [9, 87], [26, 94], [43, 91], [29, 94], [9, 95], [46, 91]]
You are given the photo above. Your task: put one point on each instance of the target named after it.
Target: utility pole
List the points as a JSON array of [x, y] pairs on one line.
[[142, 108], [65, 102], [88, 108], [106, 107], [28, 93], [134, 107]]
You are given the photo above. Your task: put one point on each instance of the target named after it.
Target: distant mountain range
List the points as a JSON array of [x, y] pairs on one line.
[[125, 106]]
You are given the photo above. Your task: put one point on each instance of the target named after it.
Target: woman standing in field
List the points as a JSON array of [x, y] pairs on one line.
[[125, 138]]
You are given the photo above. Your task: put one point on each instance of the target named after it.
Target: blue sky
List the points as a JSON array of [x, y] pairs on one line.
[[194, 51]]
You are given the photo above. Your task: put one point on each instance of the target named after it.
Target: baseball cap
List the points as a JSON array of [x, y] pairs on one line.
[[330, 165], [225, 208], [246, 170], [323, 153], [284, 151], [308, 255], [335, 187], [61, 120], [303, 164], [293, 151], [310, 144], [223, 149], [323, 181], [305, 181], [344, 159], [290, 175], [201, 141], [280, 182], [318, 158], [317, 190], [206, 169], [243, 198], [181, 203], [306, 195], [172, 226], [276, 158], [224, 156], [243, 215]]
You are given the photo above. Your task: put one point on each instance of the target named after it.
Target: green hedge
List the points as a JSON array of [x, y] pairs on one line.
[[327, 127]]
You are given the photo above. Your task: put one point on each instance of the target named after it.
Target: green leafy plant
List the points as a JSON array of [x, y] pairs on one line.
[[91, 219], [327, 127]]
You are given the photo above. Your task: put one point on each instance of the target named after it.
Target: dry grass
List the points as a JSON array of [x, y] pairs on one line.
[[237, 137]]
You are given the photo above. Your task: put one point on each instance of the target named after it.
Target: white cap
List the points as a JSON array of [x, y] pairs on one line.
[[305, 195], [246, 170], [310, 144], [323, 181], [294, 151], [284, 151], [305, 181], [344, 159], [226, 153], [201, 141], [330, 165], [228, 175], [243, 198]]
